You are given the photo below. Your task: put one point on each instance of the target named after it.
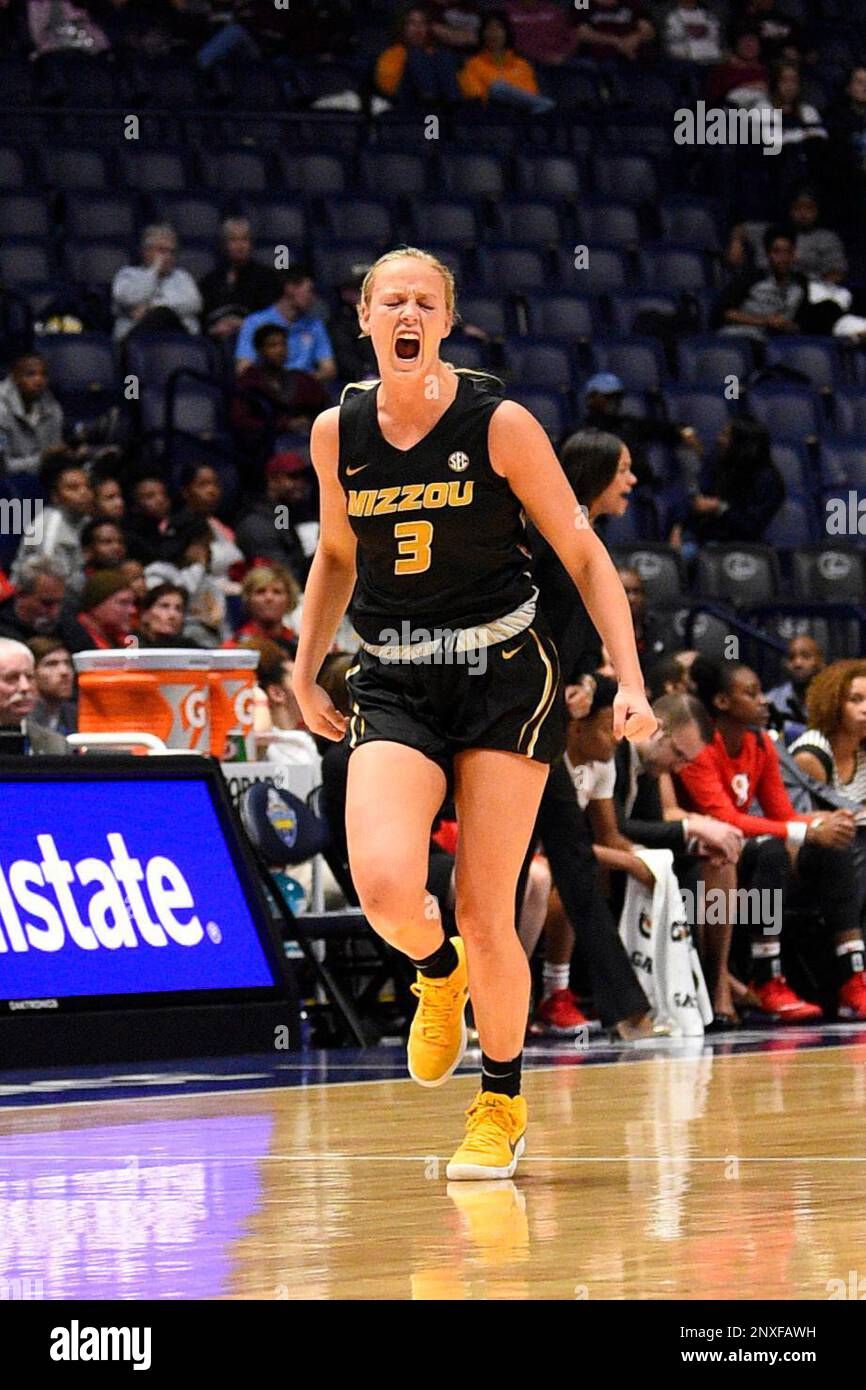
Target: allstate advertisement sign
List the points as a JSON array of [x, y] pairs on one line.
[[120, 887]]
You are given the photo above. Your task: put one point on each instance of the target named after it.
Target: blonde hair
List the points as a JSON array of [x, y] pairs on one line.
[[414, 253], [260, 576]]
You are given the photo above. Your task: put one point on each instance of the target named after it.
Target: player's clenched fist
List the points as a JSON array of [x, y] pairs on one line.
[[319, 713], [632, 715]]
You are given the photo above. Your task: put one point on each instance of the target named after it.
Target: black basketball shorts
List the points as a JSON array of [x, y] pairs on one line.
[[510, 700]]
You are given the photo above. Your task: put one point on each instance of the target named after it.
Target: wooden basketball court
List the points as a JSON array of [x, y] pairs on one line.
[[729, 1174]]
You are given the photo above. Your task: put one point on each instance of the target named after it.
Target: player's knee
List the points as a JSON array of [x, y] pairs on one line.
[[388, 892]]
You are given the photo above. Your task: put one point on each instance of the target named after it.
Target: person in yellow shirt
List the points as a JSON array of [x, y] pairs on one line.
[[496, 73], [416, 68]]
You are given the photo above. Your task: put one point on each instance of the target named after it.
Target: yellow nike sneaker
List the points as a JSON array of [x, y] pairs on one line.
[[437, 1038], [495, 1130]]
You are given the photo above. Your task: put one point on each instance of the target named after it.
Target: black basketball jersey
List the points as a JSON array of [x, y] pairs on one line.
[[441, 537]]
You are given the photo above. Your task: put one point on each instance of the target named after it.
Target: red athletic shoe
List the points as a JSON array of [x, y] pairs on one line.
[[559, 1014], [852, 997], [777, 998]]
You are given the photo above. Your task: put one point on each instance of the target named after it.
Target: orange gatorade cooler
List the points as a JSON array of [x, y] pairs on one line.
[[154, 690], [232, 702]]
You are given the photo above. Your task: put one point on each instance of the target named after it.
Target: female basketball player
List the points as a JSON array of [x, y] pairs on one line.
[[424, 480]]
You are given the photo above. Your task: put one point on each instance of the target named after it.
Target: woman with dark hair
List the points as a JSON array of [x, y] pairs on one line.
[[496, 73], [741, 492], [202, 491], [162, 614]]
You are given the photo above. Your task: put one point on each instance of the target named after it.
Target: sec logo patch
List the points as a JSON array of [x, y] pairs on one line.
[[458, 462]]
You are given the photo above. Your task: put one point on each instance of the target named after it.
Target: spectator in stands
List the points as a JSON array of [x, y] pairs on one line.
[[416, 69], [354, 355], [162, 617], [270, 596], [671, 675], [55, 685], [779, 34], [739, 767], [19, 731], [603, 399], [56, 532], [202, 493], [133, 573], [741, 78], [610, 30], [103, 545], [108, 499], [691, 33], [847, 124], [766, 301], [788, 701], [704, 849], [58, 26], [289, 500], [33, 610], [818, 251], [269, 399], [309, 347], [652, 635], [741, 493], [106, 615], [800, 120], [832, 748], [157, 296], [148, 526], [238, 285], [543, 31], [31, 420], [291, 743], [186, 562], [497, 74]]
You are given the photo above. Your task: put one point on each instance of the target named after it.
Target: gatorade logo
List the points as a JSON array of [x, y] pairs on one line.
[[134, 903]]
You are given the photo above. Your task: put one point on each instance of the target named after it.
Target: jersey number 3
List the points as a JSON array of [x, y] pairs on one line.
[[414, 539]]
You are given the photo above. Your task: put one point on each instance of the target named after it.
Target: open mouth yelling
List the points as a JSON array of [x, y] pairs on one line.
[[407, 346]]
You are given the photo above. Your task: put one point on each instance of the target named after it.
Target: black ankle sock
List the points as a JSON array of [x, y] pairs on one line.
[[501, 1077], [444, 961], [765, 969]]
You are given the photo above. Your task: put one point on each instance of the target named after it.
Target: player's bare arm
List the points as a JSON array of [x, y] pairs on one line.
[[521, 451]]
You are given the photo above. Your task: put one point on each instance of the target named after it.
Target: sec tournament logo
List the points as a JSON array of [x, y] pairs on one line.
[[458, 462]]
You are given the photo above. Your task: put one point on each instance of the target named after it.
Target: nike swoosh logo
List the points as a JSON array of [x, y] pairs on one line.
[[351, 471], [514, 650]]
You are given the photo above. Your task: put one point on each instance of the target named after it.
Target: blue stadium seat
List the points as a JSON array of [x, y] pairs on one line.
[[628, 177], [197, 411], [690, 222], [199, 260], [524, 219], [24, 215], [819, 359], [849, 414], [485, 311], [741, 574], [315, 174], [513, 268], [156, 171], [790, 459], [332, 264], [625, 306], [100, 216], [472, 175], [24, 262], [648, 91], [659, 566], [393, 172], [706, 411], [278, 221], [794, 524], [674, 268], [539, 365], [358, 219], [709, 360], [74, 170], [465, 352], [95, 263], [606, 270], [548, 176], [444, 219], [832, 572], [168, 84], [564, 316], [842, 463], [14, 168], [233, 172], [614, 223], [79, 362], [639, 362], [193, 218], [791, 415], [550, 408], [483, 132], [153, 358]]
